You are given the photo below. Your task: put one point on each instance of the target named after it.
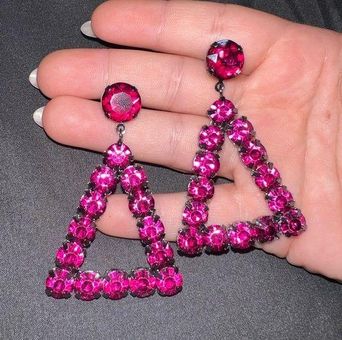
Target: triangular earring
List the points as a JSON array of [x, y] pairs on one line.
[[121, 102], [225, 60]]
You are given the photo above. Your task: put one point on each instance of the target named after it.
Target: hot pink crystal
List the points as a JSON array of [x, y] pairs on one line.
[[151, 229], [216, 238], [292, 222], [141, 203], [225, 59], [190, 241], [103, 179], [133, 177], [59, 284], [279, 198], [169, 281], [142, 283], [195, 213], [206, 164], [115, 284], [201, 188], [240, 235], [93, 203], [253, 153], [222, 111], [82, 229], [88, 285], [118, 155], [121, 102], [240, 131], [266, 176], [159, 254], [70, 256], [267, 228], [211, 138]]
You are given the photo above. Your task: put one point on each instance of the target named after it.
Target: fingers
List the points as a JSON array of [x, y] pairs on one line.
[[165, 82], [186, 27], [164, 138]]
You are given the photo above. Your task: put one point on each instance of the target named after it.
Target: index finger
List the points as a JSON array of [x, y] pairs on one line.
[[187, 27]]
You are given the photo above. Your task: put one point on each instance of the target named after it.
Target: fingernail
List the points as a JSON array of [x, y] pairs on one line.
[[87, 30], [33, 78], [38, 116]]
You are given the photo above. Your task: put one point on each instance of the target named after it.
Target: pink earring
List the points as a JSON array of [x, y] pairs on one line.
[[225, 60], [121, 102]]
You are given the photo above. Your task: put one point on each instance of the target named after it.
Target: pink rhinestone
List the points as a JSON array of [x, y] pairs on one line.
[[88, 286], [159, 254], [279, 198], [141, 203], [266, 176], [103, 179], [121, 102], [240, 131], [190, 241], [292, 223], [93, 204], [211, 138], [216, 239], [115, 285], [59, 284], [82, 230], [151, 229], [240, 236], [133, 177], [195, 213], [70, 256], [201, 188], [253, 153], [169, 281], [118, 155], [142, 283], [267, 228], [222, 111], [206, 164], [225, 59]]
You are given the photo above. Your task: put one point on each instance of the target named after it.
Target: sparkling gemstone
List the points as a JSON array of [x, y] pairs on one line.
[[206, 164], [70, 256], [133, 177], [88, 285], [93, 204], [169, 281], [292, 222], [240, 131], [141, 203], [103, 179], [201, 188], [190, 241], [240, 235], [118, 155], [151, 229], [266, 176], [115, 284], [253, 153], [59, 284], [222, 111], [121, 102], [211, 138], [142, 283], [225, 59], [216, 239], [82, 229], [195, 213], [279, 198], [267, 228], [159, 254]]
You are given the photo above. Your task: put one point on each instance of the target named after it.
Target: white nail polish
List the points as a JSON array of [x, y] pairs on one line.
[[33, 78], [38, 116], [87, 30]]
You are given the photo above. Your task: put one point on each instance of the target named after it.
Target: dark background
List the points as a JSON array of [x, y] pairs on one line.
[[232, 296]]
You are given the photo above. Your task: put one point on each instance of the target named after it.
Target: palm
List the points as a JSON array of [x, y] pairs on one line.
[[290, 90]]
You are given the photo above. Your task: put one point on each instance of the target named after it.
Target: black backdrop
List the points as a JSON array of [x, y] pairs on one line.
[[232, 296]]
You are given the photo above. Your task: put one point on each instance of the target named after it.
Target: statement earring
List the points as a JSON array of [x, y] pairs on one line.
[[121, 102], [225, 60]]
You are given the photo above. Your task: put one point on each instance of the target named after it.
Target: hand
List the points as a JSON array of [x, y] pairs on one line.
[[291, 90]]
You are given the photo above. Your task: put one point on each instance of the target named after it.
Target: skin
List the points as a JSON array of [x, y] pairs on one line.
[[290, 88]]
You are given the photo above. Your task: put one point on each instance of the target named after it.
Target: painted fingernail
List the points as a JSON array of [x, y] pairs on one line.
[[33, 78], [38, 116], [87, 30]]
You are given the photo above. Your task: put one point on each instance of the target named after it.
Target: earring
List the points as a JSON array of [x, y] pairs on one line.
[[225, 60], [121, 102]]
